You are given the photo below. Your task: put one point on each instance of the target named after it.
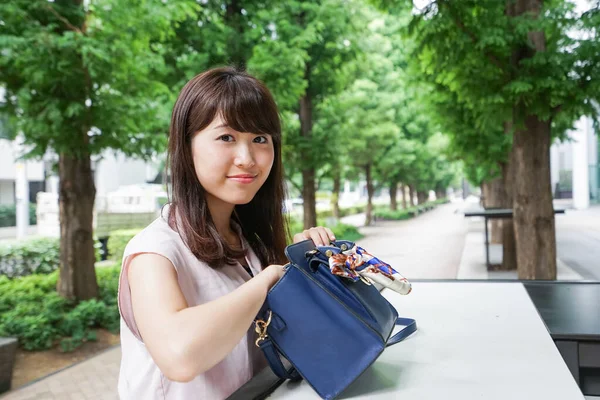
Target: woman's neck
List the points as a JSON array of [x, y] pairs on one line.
[[220, 213]]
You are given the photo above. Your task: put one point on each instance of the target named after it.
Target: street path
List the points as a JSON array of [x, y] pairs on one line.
[[428, 246]]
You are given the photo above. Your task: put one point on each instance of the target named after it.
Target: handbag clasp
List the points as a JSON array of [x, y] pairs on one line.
[[261, 329]]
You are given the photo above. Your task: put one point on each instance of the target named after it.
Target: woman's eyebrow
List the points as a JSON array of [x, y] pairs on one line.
[[220, 126], [226, 126]]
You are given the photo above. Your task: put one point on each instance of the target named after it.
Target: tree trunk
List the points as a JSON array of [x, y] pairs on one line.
[[236, 49], [309, 198], [509, 249], [440, 193], [532, 201], [422, 197], [77, 192], [337, 183], [533, 210], [393, 196], [370, 192], [403, 190], [411, 195], [498, 194], [493, 197], [76, 196], [308, 171]]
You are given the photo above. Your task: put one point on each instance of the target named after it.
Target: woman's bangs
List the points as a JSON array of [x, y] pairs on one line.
[[246, 107]]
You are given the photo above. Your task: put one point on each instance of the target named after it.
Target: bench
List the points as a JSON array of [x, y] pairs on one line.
[[494, 213]]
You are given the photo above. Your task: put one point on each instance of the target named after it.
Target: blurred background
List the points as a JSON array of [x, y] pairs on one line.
[[452, 139]]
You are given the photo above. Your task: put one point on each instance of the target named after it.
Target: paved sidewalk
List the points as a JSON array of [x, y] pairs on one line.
[[578, 241], [428, 246], [93, 379], [472, 264]]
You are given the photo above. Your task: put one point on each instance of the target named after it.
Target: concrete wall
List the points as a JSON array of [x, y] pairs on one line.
[[113, 171], [7, 192], [35, 169], [577, 156]]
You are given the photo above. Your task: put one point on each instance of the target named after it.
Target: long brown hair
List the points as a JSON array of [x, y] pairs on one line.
[[246, 105]]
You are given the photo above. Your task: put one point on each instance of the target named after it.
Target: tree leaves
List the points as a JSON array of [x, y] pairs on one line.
[[67, 70]]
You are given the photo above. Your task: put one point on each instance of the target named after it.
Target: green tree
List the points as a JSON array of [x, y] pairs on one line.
[[371, 131], [522, 66], [82, 77], [301, 50], [484, 150], [304, 58]]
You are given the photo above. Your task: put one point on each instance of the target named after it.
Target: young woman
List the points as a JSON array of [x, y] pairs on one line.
[[193, 281]]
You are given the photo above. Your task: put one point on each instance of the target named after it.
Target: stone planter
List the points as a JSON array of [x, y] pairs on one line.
[[8, 351]]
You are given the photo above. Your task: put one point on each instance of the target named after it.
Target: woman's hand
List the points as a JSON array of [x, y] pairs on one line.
[[320, 235], [274, 273]]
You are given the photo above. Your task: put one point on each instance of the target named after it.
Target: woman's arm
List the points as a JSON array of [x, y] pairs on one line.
[[187, 341]]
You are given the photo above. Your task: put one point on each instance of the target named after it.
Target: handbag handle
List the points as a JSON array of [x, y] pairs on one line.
[[411, 327], [274, 359]]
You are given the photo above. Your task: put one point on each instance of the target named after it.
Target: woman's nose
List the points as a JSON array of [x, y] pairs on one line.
[[244, 156]]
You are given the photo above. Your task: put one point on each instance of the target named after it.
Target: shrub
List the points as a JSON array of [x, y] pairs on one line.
[[397, 215], [117, 241], [384, 213], [341, 231], [32, 311], [8, 215], [39, 255], [343, 212], [346, 232], [32, 256]]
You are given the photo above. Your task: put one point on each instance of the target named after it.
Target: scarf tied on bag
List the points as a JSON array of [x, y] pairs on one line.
[[356, 263]]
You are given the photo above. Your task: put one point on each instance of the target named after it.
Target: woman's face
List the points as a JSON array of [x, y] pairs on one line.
[[230, 165]]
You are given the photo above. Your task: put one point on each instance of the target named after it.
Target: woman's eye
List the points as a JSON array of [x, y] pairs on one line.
[[226, 138], [261, 139]]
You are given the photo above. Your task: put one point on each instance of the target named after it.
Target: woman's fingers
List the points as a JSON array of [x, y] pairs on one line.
[[298, 237], [330, 234], [320, 235]]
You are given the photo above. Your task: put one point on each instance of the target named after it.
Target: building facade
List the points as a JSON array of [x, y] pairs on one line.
[[575, 166]]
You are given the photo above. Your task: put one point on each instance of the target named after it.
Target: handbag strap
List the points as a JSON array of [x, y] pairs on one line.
[[272, 354], [411, 327]]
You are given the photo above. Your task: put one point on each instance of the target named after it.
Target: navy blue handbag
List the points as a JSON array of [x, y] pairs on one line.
[[330, 329]]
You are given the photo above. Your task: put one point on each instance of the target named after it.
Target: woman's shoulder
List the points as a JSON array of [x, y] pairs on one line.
[[158, 237]]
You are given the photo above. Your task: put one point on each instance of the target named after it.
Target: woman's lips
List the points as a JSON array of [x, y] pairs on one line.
[[242, 178]]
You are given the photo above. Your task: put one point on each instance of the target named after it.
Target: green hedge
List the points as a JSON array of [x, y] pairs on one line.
[[343, 212], [117, 241], [32, 311], [32, 256], [341, 231], [387, 214], [8, 215], [384, 213]]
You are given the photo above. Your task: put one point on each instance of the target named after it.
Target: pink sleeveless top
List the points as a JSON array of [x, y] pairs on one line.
[[139, 377]]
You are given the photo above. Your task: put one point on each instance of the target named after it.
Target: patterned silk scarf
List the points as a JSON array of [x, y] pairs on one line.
[[357, 263]]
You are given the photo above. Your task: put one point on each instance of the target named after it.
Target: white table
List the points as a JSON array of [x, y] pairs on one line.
[[474, 341]]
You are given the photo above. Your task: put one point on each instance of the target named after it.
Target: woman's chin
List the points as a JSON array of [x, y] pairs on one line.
[[241, 200]]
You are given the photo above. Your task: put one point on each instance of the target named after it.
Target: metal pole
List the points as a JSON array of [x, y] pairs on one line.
[[487, 245], [21, 192]]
